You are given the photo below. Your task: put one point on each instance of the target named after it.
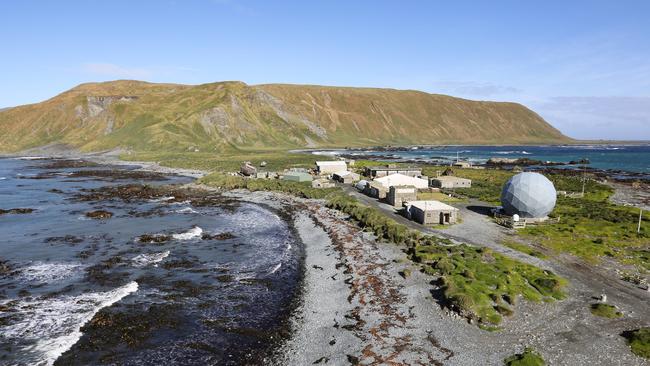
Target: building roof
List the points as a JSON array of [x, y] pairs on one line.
[[402, 180], [451, 178], [345, 173], [331, 163], [431, 205], [395, 168]]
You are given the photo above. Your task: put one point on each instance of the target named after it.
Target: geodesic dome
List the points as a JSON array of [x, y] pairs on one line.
[[528, 195]]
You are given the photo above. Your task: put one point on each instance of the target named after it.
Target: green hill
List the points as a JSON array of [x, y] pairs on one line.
[[220, 116]]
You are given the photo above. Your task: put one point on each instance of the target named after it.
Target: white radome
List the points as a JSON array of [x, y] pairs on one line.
[[529, 195]]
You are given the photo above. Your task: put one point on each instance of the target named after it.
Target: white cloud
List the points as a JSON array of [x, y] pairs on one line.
[[116, 71]]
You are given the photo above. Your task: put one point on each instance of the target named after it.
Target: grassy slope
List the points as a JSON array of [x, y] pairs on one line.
[[233, 116]]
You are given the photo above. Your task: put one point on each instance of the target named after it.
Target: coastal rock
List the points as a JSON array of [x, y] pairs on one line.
[[17, 211], [99, 215]]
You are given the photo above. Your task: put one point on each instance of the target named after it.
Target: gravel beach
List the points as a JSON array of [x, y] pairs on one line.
[[363, 302]]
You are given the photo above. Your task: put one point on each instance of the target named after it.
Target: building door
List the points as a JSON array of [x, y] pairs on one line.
[[446, 218], [442, 218]]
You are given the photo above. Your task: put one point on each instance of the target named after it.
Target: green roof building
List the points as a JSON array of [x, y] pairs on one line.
[[297, 177]]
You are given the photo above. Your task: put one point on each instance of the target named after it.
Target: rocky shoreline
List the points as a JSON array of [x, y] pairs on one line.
[[364, 302]]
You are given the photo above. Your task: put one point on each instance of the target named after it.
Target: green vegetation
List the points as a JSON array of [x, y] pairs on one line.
[[477, 282], [524, 249], [299, 189], [590, 227], [227, 161], [437, 196], [639, 341], [605, 311], [528, 358], [485, 283]]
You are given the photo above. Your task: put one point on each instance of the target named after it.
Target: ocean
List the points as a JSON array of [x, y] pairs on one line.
[[76, 290], [628, 158]]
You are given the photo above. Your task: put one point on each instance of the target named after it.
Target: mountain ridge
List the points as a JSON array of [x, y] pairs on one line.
[[224, 115]]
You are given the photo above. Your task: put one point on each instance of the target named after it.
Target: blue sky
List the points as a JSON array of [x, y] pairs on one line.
[[583, 65]]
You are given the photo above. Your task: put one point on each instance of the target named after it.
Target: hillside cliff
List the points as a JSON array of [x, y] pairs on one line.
[[213, 117]]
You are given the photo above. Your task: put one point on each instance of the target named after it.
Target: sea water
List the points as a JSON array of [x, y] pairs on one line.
[[86, 291]]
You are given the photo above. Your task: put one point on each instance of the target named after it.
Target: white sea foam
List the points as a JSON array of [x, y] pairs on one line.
[[142, 260], [186, 210], [275, 269], [54, 325], [30, 158], [163, 199], [192, 233], [49, 272], [3, 178], [524, 152]]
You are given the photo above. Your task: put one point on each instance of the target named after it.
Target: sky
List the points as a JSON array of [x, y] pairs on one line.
[[583, 65]]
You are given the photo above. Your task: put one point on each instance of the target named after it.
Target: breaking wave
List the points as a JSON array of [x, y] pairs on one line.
[[142, 260], [275, 269], [52, 326], [49, 272], [192, 233], [523, 152], [163, 199], [186, 210]]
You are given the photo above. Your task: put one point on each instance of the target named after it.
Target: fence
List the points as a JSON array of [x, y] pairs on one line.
[[507, 221]]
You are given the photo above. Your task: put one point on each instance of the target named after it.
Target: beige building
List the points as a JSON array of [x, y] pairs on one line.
[[431, 212], [401, 194], [463, 164], [330, 167], [449, 181], [346, 177], [382, 171], [322, 183]]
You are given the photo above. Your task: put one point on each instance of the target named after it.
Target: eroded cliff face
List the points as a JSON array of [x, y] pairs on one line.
[[212, 117]]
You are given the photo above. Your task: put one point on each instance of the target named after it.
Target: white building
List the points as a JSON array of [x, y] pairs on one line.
[[402, 180], [431, 212], [330, 167]]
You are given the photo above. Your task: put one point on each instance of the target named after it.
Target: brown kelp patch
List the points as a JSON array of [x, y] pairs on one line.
[[17, 211]]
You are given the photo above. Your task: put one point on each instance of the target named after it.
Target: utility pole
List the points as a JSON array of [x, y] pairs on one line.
[[638, 229], [584, 177]]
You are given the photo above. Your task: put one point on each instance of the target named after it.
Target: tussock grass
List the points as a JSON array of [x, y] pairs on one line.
[[639, 341], [605, 311], [528, 358]]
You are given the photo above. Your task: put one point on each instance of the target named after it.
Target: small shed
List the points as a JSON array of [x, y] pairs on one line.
[[346, 177], [247, 169], [463, 164], [297, 177], [376, 190], [322, 183], [449, 181], [330, 167], [400, 194], [431, 212]]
